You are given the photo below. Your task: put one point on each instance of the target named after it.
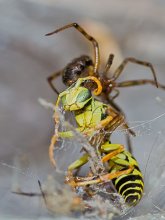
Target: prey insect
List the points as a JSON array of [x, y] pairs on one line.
[[85, 82]]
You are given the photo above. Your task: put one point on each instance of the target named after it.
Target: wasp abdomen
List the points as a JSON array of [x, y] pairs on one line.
[[130, 186]]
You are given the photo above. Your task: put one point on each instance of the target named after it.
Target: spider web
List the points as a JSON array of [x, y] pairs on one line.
[[22, 175]]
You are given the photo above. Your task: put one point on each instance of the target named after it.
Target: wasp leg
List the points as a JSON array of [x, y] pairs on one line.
[[54, 139], [78, 163], [99, 126], [115, 148], [53, 77], [116, 174], [110, 123], [59, 97], [76, 166], [133, 60], [107, 147], [90, 38], [66, 134], [103, 178], [51, 149]]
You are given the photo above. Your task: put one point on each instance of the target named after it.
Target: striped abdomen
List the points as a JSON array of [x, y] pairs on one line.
[[130, 186]]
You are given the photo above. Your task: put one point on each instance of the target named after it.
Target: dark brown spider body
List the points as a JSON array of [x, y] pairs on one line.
[[79, 67]]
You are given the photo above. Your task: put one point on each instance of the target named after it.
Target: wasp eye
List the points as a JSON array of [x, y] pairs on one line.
[[84, 95]]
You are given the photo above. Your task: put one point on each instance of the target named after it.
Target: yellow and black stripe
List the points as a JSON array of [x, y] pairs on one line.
[[129, 186]]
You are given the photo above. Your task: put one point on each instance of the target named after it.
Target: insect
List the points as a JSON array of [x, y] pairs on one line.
[[85, 82]]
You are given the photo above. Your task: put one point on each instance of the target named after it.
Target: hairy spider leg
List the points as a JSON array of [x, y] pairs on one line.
[[126, 126], [138, 83], [86, 35], [108, 64], [31, 194], [119, 70], [52, 77]]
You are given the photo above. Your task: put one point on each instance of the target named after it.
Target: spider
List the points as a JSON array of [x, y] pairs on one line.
[[84, 79], [85, 66]]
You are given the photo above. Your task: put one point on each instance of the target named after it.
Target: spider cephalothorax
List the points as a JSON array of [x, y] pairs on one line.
[[79, 67]]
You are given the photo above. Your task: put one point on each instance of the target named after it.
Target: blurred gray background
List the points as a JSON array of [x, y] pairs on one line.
[[27, 57]]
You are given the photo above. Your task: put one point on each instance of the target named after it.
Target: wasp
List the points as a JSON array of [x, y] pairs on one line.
[[85, 82]]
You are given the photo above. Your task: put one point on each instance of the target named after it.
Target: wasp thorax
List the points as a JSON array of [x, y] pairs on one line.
[[79, 67]]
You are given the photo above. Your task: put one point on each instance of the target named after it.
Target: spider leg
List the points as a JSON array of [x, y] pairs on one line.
[[42, 192], [86, 35], [138, 83], [136, 61], [109, 63], [117, 121], [120, 111], [52, 77], [31, 194], [117, 92], [120, 118]]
